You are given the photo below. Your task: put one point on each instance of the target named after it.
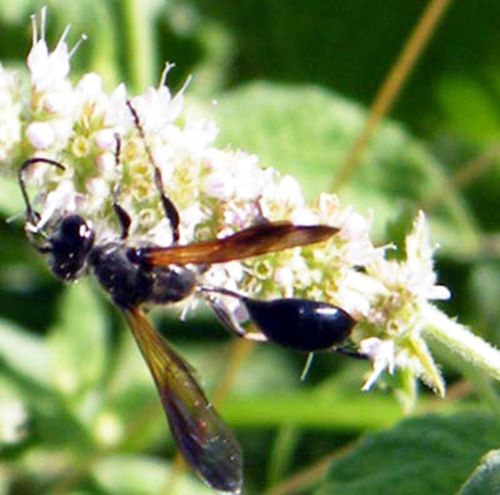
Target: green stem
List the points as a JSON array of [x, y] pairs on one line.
[[282, 451], [103, 47], [140, 47], [460, 340]]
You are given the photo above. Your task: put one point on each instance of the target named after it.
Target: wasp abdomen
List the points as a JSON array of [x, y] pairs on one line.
[[300, 324]]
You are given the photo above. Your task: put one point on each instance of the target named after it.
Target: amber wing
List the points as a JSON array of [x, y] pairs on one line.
[[206, 443], [253, 241]]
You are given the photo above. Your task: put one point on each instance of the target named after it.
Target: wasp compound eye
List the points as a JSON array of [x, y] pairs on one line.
[[75, 229], [70, 246], [300, 324]]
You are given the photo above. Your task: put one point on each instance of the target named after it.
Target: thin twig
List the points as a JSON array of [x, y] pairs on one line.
[[392, 85], [240, 351], [311, 474], [466, 174]]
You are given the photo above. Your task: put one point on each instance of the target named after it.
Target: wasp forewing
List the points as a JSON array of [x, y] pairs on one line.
[[206, 443], [253, 241]]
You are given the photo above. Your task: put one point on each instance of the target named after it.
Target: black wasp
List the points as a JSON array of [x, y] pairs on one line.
[[136, 275]]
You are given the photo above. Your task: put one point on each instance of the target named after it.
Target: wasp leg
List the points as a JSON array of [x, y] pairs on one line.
[[345, 351], [41, 248], [169, 208], [122, 215], [123, 218], [230, 323]]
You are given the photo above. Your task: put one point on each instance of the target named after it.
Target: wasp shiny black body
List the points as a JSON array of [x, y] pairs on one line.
[[135, 275]]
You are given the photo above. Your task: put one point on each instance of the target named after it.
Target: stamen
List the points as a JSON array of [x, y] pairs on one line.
[[185, 85], [34, 29], [83, 38], [63, 37], [43, 21], [163, 78]]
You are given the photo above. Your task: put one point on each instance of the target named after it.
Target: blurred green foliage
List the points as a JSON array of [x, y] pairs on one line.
[[293, 81]]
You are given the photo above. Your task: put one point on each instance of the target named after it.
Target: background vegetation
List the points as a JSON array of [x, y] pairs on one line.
[[293, 81]]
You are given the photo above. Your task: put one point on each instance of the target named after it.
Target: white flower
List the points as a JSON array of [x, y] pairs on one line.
[[281, 198], [10, 112], [49, 70], [234, 175], [105, 139], [89, 88], [41, 135], [157, 109], [52, 100], [191, 217], [198, 134], [160, 234], [249, 178], [383, 356], [116, 112], [355, 247], [219, 184], [416, 274], [98, 193], [357, 292], [285, 279], [303, 216], [419, 273], [62, 199]]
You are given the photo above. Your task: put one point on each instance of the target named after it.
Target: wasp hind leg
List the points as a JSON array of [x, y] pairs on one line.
[[229, 321], [347, 351]]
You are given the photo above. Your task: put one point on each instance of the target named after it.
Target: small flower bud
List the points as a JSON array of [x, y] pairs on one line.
[[40, 135]]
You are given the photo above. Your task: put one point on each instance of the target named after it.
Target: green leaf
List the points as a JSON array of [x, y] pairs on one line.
[[11, 202], [79, 340], [484, 294], [24, 355], [136, 475], [486, 477], [471, 107], [307, 132], [420, 456], [310, 409], [16, 11]]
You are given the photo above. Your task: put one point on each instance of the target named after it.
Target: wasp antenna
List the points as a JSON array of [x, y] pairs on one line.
[[168, 67], [138, 125], [118, 166], [31, 215]]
